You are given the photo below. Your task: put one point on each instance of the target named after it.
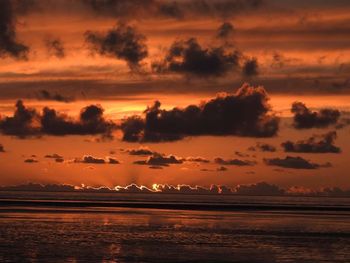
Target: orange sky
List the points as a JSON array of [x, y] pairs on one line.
[[302, 51]]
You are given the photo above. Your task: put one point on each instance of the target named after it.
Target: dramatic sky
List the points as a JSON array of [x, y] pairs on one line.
[[197, 92]]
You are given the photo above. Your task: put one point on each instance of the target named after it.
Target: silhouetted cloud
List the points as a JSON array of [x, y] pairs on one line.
[[197, 159], [250, 68], [315, 144], [96, 160], [225, 30], [31, 160], [58, 158], [55, 47], [141, 151], [160, 160], [2, 148], [304, 118], [9, 45], [236, 162], [258, 189], [91, 121], [294, 163], [28, 122], [47, 95], [22, 123], [190, 58], [121, 42], [245, 113], [264, 147]]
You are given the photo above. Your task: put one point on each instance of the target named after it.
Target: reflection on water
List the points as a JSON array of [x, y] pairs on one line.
[[146, 235]]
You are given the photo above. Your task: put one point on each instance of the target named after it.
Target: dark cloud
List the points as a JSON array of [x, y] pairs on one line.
[[133, 188], [53, 156], [190, 58], [95, 160], [91, 122], [294, 163], [315, 144], [264, 147], [258, 189], [9, 45], [31, 160], [304, 118], [197, 159], [28, 122], [245, 113], [144, 151], [250, 68], [121, 42], [24, 122], [58, 158], [160, 160], [55, 47], [172, 9], [221, 169], [47, 95], [236, 162], [2, 148], [225, 30]]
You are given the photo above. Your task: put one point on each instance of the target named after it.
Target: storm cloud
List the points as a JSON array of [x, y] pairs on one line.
[[304, 118], [121, 42], [315, 144], [244, 113]]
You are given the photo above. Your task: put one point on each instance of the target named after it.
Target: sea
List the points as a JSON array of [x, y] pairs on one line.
[[125, 227]]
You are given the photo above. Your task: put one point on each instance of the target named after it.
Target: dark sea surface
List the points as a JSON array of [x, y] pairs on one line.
[[96, 227]]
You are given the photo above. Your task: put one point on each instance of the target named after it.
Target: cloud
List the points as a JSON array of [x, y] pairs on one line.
[[315, 144], [132, 188], [91, 122], [225, 30], [190, 58], [143, 151], [2, 148], [28, 122], [294, 163], [197, 159], [236, 162], [47, 95], [172, 9], [9, 45], [258, 189], [244, 113], [264, 147], [24, 122], [95, 160], [304, 118], [121, 42], [31, 160], [221, 169], [250, 68], [160, 160], [58, 158], [55, 47]]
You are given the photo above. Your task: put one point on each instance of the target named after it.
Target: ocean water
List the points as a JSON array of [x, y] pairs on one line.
[[41, 228]]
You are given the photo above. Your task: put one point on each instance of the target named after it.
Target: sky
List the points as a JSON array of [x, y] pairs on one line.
[[194, 92]]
